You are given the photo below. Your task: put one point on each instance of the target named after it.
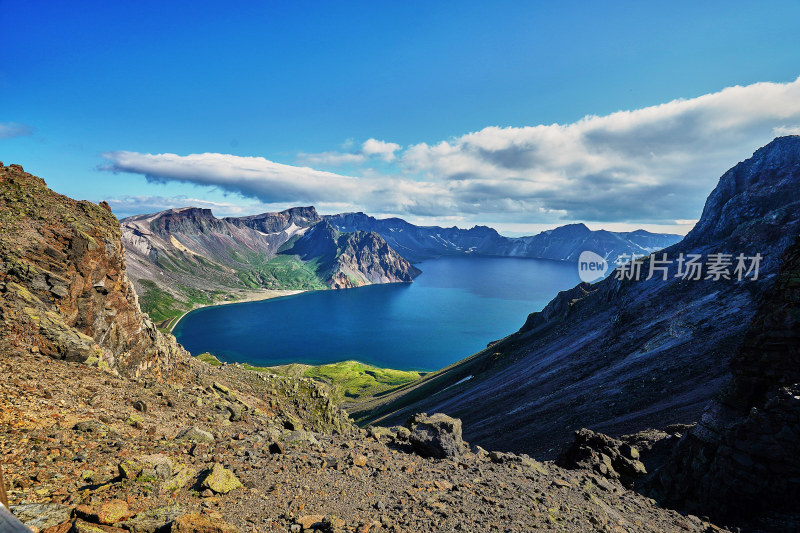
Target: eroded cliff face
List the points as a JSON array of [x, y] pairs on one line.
[[366, 258], [353, 259], [64, 290], [741, 461]]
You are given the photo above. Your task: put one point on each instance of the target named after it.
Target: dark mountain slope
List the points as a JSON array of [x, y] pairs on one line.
[[620, 355], [740, 463]]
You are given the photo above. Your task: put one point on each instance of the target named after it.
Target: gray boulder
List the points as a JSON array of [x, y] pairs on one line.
[[194, 434], [437, 435], [42, 515]]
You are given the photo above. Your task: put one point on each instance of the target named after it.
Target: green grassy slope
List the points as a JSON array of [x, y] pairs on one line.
[[282, 272], [350, 382]]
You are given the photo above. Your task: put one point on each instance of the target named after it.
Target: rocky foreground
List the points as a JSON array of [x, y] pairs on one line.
[[228, 449]]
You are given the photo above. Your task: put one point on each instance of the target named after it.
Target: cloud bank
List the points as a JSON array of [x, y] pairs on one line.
[[651, 165], [252, 177]]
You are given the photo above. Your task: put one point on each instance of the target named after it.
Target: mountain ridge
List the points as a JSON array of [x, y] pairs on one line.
[[564, 243], [183, 257], [180, 258], [351, 259]]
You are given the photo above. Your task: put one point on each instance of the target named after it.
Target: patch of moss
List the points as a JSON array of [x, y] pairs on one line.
[[210, 359]]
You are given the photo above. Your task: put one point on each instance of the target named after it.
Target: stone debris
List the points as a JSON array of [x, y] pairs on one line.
[[342, 480]]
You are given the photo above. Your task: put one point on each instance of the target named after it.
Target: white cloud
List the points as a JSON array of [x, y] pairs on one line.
[[9, 130], [780, 131], [371, 148], [253, 177], [382, 149], [654, 165]]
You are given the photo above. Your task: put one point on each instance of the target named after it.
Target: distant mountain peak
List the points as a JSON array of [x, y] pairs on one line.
[[577, 228], [187, 251], [295, 217], [190, 210], [352, 259]]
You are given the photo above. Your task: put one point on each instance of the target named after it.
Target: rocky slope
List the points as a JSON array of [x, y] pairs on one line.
[[740, 463], [183, 257], [621, 355], [561, 244], [271, 223], [106, 425], [63, 285], [231, 450]]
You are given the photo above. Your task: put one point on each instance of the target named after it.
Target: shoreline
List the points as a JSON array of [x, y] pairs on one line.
[[266, 294], [256, 296]]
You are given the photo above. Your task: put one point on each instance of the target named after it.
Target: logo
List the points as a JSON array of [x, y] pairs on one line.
[[591, 267]]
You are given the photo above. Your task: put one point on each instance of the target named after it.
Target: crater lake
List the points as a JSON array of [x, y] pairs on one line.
[[452, 310]]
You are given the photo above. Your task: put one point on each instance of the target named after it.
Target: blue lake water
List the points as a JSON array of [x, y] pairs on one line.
[[452, 310]]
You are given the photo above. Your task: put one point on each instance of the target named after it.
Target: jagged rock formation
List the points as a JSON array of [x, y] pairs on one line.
[[352, 259], [741, 461], [288, 220], [564, 243], [64, 287], [182, 257], [608, 457], [620, 355]]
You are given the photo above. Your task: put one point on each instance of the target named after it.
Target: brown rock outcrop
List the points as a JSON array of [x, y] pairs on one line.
[[64, 287]]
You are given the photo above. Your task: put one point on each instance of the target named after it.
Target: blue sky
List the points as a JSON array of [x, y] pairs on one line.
[[453, 113]]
